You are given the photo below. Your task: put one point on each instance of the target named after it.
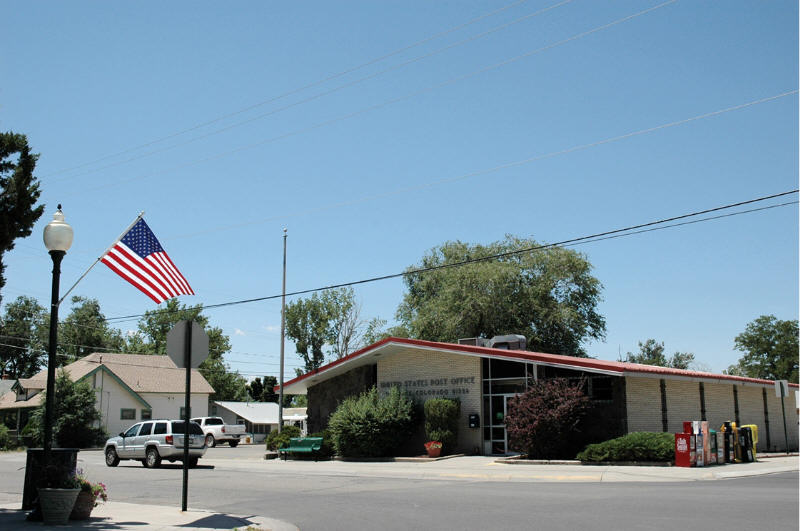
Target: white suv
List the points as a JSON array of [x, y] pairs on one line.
[[153, 440]]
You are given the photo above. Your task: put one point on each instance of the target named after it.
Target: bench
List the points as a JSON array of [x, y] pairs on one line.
[[302, 445]]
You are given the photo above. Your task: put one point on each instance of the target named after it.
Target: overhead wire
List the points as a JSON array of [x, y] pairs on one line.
[[423, 270], [329, 91], [382, 104], [302, 88], [493, 169]]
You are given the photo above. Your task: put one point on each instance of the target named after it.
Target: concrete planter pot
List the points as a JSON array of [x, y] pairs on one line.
[[57, 504], [84, 504]]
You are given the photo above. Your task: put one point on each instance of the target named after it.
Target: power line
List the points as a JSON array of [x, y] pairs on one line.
[[493, 169], [302, 88], [329, 91], [394, 100], [571, 241]]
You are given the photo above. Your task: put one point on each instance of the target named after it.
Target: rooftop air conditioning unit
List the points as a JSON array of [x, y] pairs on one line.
[[508, 342], [475, 341]]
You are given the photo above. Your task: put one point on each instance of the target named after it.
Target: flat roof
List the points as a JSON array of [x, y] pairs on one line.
[[391, 345]]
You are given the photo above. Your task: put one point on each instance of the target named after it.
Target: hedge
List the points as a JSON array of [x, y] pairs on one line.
[[636, 446]]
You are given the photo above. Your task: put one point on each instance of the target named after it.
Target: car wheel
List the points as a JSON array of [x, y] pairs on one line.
[[233, 444], [210, 441], [152, 459], [112, 459], [193, 462]]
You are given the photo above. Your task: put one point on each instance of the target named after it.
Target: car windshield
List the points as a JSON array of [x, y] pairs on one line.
[[178, 428]]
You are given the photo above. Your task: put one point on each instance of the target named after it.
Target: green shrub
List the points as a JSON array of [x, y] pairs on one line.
[[370, 425], [277, 440], [5, 440], [636, 446], [441, 422]]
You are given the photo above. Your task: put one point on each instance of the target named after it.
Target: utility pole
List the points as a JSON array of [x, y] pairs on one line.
[[283, 335]]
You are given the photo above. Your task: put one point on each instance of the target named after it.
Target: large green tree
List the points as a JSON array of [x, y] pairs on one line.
[[651, 352], [152, 339], [19, 192], [22, 343], [770, 349], [547, 295], [328, 322], [84, 331], [74, 415], [263, 390]]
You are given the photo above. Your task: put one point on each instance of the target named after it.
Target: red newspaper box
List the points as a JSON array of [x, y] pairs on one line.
[[687, 426], [685, 451]]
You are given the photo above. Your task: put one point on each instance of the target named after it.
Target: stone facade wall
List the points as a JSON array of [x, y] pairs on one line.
[[324, 398], [427, 375]]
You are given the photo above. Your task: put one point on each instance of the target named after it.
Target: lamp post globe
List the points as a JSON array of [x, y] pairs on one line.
[[57, 239], [58, 233]]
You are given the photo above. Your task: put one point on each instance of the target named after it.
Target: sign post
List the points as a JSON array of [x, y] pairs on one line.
[[781, 387], [187, 346]]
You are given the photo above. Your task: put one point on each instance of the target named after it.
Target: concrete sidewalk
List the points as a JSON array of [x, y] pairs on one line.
[[129, 516]]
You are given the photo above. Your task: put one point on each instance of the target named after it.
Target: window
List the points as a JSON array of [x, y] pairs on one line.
[[147, 414], [132, 430], [194, 428], [160, 429], [602, 388], [213, 410], [214, 422], [147, 428], [127, 414], [183, 413]]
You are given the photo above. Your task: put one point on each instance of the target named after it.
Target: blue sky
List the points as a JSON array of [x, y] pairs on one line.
[[201, 114]]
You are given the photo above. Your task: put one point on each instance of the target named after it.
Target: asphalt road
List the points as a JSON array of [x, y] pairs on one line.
[[237, 481]]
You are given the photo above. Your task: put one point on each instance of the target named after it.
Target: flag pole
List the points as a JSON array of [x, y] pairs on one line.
[[283, 334], [135, 221]]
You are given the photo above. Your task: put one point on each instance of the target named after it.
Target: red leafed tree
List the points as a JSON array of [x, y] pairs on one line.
[[541, 420]]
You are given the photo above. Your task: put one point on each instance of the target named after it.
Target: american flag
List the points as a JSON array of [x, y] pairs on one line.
[[139, 258]]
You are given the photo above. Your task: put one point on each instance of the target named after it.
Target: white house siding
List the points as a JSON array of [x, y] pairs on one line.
[[111, 399], [168, 405], [430, 374]]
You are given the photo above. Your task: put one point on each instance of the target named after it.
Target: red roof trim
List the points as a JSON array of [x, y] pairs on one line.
[[587, 363]]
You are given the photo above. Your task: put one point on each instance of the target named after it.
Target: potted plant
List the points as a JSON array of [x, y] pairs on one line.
[[87, 497], [57, 495], [434, 448]]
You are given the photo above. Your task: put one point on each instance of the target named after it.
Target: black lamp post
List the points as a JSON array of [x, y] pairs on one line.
[[57, 239]]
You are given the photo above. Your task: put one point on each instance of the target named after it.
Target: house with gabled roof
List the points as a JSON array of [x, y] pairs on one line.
[[485, 374], [129, 388]]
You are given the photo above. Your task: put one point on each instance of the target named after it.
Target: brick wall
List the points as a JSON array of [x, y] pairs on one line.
[[776, 434], [437, 375], [683, 403], [643, 398]]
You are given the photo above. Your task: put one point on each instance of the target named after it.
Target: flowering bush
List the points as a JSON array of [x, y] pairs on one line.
[[542, 421], [432, 444], [97, 490]]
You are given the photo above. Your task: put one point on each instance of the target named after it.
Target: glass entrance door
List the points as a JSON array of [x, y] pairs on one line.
[[497, 441]]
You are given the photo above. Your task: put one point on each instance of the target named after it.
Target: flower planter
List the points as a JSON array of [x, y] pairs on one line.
[[57, 504], [84, 504], [434, 452]]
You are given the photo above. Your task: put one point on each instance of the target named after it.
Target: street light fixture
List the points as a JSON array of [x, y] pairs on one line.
[[57, 239]]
